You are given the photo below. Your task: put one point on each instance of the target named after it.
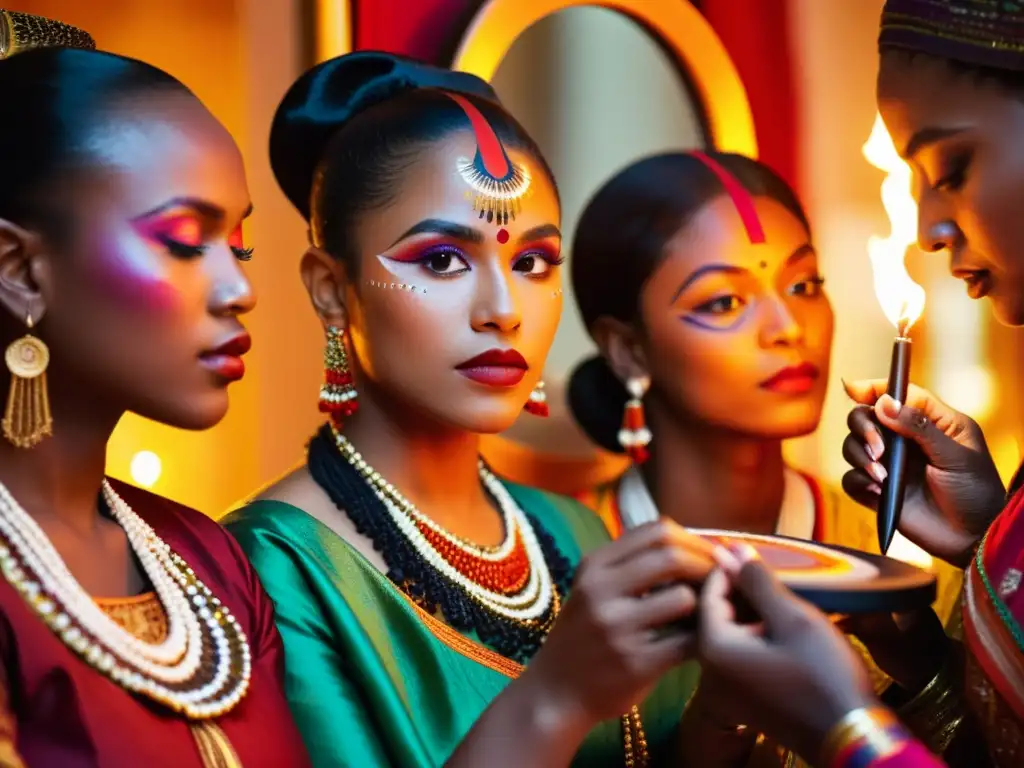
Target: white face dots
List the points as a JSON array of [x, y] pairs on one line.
[[388, 286]]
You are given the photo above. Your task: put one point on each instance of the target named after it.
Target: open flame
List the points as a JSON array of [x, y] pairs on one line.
[[901, 298]]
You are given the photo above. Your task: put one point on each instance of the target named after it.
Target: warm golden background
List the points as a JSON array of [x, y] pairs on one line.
[[571, 79]]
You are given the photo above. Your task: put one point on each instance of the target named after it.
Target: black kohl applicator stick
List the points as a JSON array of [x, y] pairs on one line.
[[890, 503]]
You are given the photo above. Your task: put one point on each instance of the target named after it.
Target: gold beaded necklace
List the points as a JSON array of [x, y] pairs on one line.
[[634, 740]]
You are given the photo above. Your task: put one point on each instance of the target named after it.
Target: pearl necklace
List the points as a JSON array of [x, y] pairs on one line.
[[536, 601], [202, 668]]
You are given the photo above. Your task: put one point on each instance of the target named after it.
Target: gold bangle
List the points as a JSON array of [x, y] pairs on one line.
[[936, 713], [855, 726], [21, 31]]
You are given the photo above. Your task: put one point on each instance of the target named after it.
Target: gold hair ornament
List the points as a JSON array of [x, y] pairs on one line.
[[27, 419], [21, 32], [497, 186]]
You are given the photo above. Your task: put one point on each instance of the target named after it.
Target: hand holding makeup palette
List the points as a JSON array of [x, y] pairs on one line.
[[837, 579]]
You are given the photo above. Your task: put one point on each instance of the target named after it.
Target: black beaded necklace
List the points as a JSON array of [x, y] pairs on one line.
[[410, 572]]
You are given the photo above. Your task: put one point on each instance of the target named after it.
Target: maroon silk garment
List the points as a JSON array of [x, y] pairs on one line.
[[67, 715]]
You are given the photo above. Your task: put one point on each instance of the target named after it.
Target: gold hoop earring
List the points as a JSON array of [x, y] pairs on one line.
[[27, 419]]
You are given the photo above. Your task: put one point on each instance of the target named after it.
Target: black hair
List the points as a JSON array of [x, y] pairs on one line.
[[620, 240], [55, 96], [1011, 81], [348, 129]]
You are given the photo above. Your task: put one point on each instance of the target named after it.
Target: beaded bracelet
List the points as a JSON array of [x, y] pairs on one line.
[[862, 737]]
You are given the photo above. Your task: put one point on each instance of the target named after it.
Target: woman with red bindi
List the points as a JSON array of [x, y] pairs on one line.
[[698, 278], [134, 630], [425, 604]]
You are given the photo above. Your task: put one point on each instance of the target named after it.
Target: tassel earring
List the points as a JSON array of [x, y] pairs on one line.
[[634, 436], [538, 402], [27, 418], [338, 393]]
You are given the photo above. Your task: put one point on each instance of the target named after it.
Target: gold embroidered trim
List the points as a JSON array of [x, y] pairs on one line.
[[141, 615], [461, 644], [144, 616], [214, 748]]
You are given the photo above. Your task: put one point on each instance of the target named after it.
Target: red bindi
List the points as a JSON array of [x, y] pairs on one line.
[[502, 236]]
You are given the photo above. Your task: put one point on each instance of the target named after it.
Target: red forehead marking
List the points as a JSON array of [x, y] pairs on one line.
[[491, 153], [502, 236], [740, 198]]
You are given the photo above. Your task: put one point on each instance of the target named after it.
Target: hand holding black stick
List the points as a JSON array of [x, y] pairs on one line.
[[894, 487]]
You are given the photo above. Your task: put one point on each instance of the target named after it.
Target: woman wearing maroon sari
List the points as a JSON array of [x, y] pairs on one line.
[[121, 202], [951, 92]]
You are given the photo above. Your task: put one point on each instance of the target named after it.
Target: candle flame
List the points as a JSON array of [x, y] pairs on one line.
[[901, 298]]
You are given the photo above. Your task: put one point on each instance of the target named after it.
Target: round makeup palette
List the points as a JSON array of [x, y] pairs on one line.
[[837, 579]]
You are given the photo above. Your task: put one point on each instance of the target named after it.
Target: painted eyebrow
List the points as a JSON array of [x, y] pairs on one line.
[[802, 252], [540, 232], [442, 227], [697, 274], [202, 207], [925, 138]]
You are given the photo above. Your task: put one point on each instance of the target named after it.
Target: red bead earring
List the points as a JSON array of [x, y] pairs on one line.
[[538, 402], [634, 436], [338, 392]]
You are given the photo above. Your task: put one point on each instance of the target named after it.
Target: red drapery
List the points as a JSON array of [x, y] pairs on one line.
[[755, 32], [757, 35]]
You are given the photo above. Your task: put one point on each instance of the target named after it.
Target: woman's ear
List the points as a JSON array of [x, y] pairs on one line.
[[23, 271], [325, 280], [620, 345]]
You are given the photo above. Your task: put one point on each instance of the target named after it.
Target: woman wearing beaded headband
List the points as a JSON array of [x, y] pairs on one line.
[[121, 204], [696, 274], [951, 92], [414, 589]]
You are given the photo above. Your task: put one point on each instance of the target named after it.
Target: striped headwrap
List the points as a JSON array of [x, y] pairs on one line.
[[985, 33]]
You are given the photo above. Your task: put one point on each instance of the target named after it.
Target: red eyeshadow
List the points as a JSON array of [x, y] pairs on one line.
[[416, 251], [235, 238], [181, 228]]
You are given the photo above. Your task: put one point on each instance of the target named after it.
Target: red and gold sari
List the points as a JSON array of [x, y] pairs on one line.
[[973, 711], [993, 614]]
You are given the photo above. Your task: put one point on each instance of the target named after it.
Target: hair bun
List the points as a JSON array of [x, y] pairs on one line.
[[330, 94], [596, 399]]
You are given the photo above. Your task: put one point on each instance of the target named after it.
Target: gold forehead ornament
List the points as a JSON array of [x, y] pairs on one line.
[[20, 32]]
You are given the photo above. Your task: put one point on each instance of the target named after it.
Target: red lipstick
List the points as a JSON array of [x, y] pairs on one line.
[[226, 360], [496, 368], [794, 380]]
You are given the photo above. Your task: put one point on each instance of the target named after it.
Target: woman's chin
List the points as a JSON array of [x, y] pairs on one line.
[[1008, 310], [786, 423], [195, 413], [487, 418]]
